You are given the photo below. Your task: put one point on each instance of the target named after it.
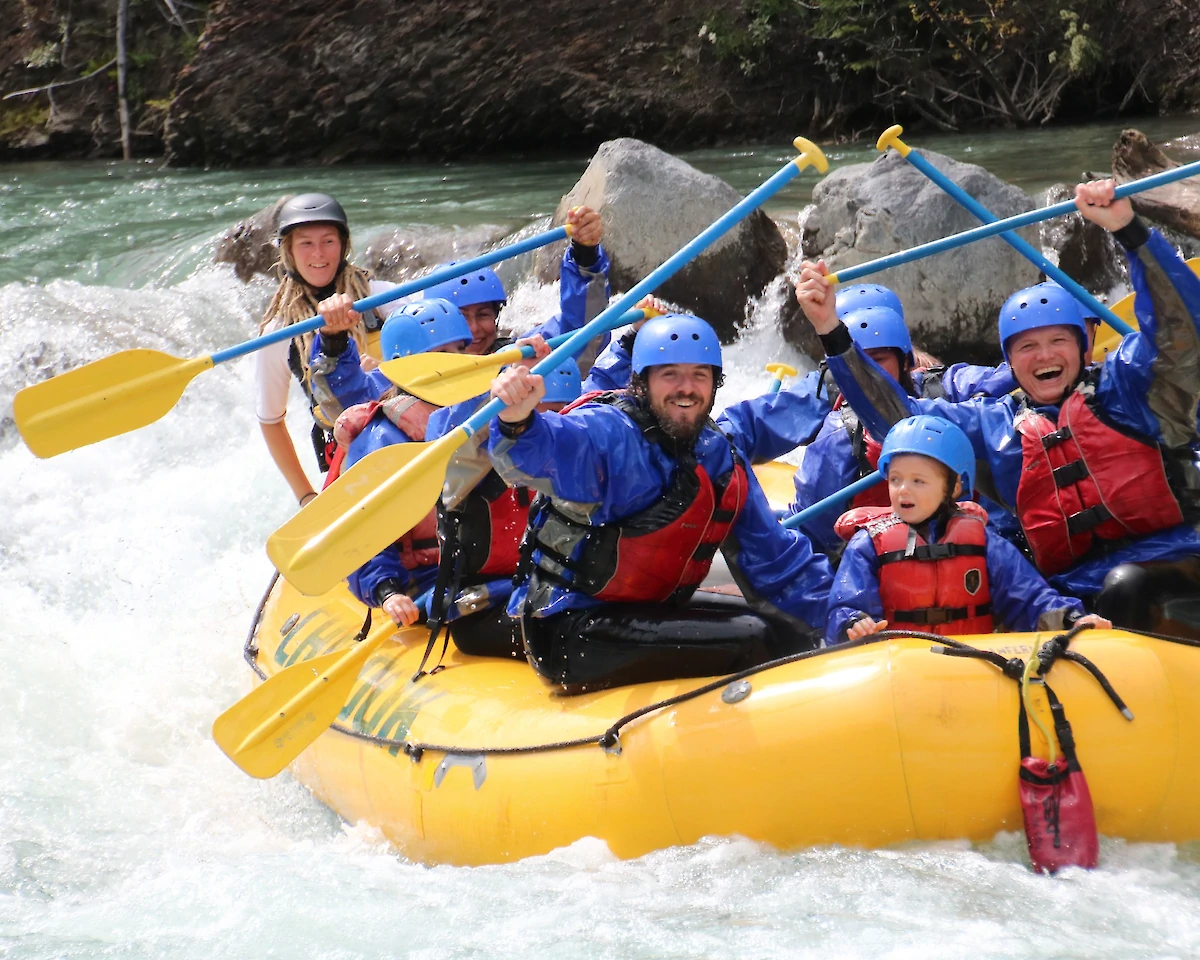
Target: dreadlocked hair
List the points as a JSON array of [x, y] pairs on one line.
[[295, 301]]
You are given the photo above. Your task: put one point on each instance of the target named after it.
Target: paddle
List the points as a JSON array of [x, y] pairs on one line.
[[133, 388], [833, 500], [448, 378], [891, 138], [269, 727], [386, 493], [1001, 226], [780, 371]]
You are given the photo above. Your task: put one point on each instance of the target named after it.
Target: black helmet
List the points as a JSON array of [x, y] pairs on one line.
[[311, 208]]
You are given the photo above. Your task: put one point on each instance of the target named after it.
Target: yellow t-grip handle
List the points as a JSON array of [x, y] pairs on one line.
[[810, 155], [891, 138], [780, 371]]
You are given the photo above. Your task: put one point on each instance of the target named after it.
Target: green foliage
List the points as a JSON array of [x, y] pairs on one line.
[[16, 120], [42, 56], [744, 40], [999, 58]]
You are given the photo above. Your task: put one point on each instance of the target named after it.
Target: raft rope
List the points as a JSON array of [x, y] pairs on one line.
[[610, 740]]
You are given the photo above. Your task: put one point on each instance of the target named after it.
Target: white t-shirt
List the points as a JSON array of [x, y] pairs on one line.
[[272, 375]]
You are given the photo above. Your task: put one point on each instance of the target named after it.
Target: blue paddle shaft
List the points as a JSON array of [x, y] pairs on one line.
[[403, 290], [604, 321], [833, 500], [1018, 243], [851, 274]]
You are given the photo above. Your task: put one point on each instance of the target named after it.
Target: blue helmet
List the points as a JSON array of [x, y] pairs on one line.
[[932, 437], [1044, 305], [676, 338], [563, 383], [478, 286], [422, 326], [859, 295], [879, 326]]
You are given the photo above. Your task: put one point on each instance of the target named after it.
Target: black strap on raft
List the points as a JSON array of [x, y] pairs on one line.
[[449, 577], [364, 629], [1052, 650], [1062, 729]]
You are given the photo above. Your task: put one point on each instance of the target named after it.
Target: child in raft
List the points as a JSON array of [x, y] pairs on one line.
[[927, 562]]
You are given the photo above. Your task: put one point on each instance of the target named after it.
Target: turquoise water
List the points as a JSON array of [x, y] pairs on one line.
[[129, 572]]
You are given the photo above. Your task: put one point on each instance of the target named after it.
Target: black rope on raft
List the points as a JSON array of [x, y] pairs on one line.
[[610, 738], [250, 650]]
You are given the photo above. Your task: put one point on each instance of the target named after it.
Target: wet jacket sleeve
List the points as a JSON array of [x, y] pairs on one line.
[[613, 367], [855, 588], [964, 381], [776, 568], [767, 427], [346, 379], [1021, 599], [582, 294], [1151, 383], [880, 402], [382, 567], [576, 458]]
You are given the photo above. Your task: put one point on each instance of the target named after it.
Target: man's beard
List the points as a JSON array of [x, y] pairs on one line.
[[684, 435]]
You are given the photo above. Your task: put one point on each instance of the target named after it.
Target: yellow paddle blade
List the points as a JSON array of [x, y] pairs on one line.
[[101, 399], [377, 500], [775, 477], [270, 727], [447, 378], [1107, 339]]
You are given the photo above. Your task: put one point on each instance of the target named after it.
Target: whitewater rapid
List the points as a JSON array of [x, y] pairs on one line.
[[129, 572]]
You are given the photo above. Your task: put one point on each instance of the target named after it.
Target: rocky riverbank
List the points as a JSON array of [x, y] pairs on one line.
[[237, 83]]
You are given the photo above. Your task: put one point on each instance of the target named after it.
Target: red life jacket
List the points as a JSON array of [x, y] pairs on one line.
[[408, 413], [942, 586], [490, 524], [661, 553], [866, 452], [1085, 481]]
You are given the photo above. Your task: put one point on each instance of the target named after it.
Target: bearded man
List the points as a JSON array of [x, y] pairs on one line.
[[638, 491]]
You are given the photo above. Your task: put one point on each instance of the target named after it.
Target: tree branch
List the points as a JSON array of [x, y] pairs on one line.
[[59, 83]]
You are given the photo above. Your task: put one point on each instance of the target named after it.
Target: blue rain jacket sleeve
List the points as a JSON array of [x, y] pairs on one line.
[[767, 427], [612, 368], [347, 380], [855, 588], [385, 565], [965, 381], [1022, 600], [596, 462], [582, 294], [829, 465]]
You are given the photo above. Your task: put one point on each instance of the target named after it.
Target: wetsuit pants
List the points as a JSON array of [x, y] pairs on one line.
[[488, 633], [1158, 596], [623, 643]]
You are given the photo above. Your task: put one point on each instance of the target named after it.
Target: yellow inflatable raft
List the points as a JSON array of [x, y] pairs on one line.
[[867, 745]]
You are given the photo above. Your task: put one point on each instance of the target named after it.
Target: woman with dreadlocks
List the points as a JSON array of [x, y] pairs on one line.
[[315, 269]]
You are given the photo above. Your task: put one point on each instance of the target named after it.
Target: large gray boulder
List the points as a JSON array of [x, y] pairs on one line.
[[652, 204], [250, 244], [951, 300], [1086, 252]]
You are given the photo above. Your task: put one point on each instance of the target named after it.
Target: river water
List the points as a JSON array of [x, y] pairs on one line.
[[129, 572]]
